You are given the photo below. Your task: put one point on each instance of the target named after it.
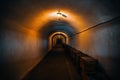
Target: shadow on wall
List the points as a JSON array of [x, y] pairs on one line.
[[86, 66], [19, 53]]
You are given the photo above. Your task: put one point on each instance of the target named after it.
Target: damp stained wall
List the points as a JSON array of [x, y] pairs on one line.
[[20, 51]]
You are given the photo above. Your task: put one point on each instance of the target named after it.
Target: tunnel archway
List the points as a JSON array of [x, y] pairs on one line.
[[53, 27], [58, 37]]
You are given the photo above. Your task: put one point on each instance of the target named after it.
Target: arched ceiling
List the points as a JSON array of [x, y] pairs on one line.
[[34, 14]]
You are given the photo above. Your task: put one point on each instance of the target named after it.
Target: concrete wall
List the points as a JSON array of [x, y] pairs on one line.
[[103, 43], [20, 51]]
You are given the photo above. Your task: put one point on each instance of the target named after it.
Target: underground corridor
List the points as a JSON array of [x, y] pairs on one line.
[[59, 40]]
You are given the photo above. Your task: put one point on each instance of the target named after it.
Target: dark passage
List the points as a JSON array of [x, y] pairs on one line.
[[55, 66]]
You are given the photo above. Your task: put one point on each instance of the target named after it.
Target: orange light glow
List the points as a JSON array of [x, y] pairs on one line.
[[43, 17], [56, 14]]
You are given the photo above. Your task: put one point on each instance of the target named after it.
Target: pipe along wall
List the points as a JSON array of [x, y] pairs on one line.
[[102, 43]]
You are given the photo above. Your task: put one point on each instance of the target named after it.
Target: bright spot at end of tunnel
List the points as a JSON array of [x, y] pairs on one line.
[[58, 34]]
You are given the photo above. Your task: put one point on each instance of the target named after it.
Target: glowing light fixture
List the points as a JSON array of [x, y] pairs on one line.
[[59, 13]]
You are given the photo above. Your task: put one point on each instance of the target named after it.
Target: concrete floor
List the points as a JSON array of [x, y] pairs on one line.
[[55, 66]]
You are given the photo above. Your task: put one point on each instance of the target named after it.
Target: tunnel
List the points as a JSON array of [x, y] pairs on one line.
[[58, 38], [71, 37]]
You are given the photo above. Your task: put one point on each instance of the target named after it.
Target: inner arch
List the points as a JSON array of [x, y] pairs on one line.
[[52, 42]]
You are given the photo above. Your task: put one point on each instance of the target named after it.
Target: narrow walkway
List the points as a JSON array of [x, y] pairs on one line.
[[55, 66]]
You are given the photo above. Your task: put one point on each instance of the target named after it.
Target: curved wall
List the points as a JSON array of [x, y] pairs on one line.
[[24, 37]]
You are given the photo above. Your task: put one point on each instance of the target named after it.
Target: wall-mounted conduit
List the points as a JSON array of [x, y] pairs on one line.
[[84, 30]]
